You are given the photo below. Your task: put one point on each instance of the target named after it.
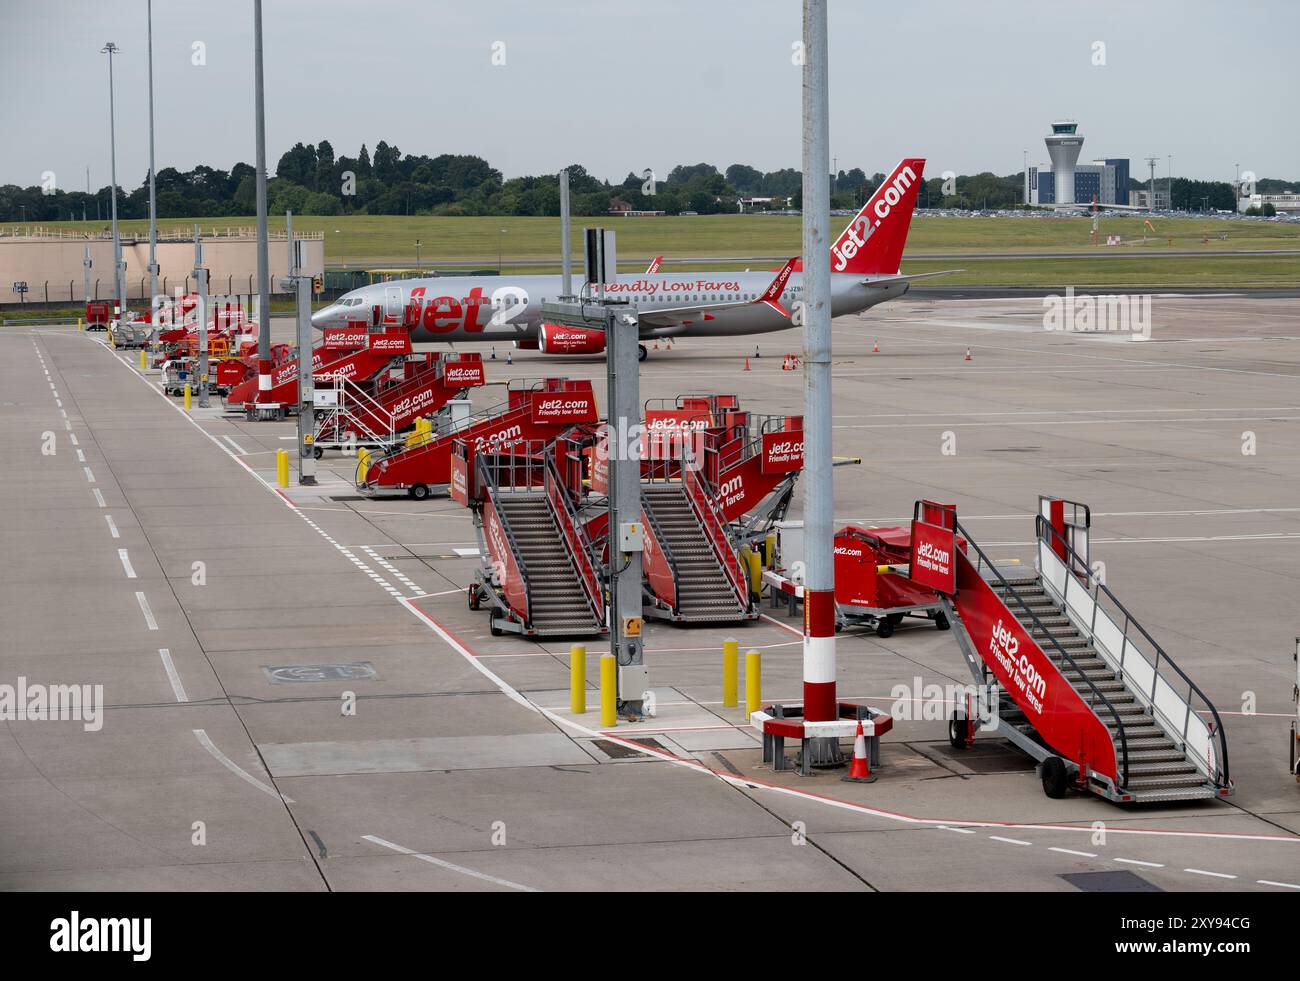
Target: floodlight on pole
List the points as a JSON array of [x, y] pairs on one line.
[[111, 49]]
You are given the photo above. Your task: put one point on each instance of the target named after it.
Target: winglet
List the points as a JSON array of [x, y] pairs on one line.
[[772, 295], [654, 266]]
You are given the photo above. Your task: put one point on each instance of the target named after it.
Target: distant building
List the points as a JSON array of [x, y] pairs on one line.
[[1283, 204], [621, 209], [1142, 199]]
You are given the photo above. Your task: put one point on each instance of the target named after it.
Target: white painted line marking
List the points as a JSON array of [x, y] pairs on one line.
[[150, 622], [1217, 875], [238, 449], [66, 424], [1282, 885], [172, 674], [81, 456], [1134, 861], [99, 498], [73, 438], [126, 563], [89, 475], [1010, 841], [448, 865], [1071, 851], [944, 827], [234, 768], [111, 526]]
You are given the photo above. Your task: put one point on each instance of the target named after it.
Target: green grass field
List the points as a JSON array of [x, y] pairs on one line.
[[365, 241]]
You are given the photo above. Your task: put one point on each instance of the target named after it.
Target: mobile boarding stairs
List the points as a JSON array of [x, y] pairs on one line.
[[1080, 685]]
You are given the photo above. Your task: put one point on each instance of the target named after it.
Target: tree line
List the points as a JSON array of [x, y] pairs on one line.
[[311, 179]]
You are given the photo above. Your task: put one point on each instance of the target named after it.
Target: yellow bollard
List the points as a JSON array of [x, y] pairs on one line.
[[79, 327], [730, 672], [755, 573], [144, 360], [770, 551], [578, 679], [282, 467], [608, 691], [753, 682], [187, 396]]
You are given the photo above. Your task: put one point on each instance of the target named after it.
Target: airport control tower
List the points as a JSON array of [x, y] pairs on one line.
[[1063, 147]]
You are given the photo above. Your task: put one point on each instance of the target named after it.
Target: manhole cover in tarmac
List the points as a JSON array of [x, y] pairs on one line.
[[619, 751], [985, 757], [357, 671], [1109, 882]]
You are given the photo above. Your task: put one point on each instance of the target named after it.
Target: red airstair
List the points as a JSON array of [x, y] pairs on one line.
[[540, 575], [713, 477], [1069, 675], [533, 411], [350, 355], [351, 414]]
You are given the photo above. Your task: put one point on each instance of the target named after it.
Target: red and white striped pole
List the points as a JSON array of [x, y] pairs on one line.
[[819, 504], [819, 701]]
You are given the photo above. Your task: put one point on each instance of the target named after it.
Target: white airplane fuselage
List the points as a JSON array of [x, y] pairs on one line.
[[508, 308]]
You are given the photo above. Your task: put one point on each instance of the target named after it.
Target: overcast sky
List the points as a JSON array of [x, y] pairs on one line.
[[622, 85]]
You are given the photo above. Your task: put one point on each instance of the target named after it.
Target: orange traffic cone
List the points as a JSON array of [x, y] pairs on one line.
[[967, 354], [875, 347], [747, 362], [656, 345], [860, 768]]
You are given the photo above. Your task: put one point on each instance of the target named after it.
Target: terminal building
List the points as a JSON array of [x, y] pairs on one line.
[[1069, 182]]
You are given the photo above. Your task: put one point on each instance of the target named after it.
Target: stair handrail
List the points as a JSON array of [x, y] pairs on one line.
[[661, 542], [497, 411], [487, 480], [1096, 693], [350, 390], [715, 532], [570, 530], [1043, 528]]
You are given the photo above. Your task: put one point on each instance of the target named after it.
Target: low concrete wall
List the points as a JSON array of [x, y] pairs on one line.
[[55, 265]]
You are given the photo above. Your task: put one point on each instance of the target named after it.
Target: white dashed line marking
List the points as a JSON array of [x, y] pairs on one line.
[[89, 474], [238, 449], [112, 528], [99, 498], [1281, 885], [1216, 875], [1010, 841], [73, 437], [1135, 861], [150, 622], [126, 563], [81, 456], [942, 827], [172, 674], [1071, 851]]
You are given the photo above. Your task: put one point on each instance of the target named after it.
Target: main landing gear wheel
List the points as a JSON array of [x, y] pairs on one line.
[[941, 621], [958, 732], [642, 352], [1055, 778], [419, 492]]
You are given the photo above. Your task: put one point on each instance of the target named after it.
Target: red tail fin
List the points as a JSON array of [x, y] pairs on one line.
[[874, 240], [772, 295]]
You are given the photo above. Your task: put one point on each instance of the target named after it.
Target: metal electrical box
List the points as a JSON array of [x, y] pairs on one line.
[[631, 536]]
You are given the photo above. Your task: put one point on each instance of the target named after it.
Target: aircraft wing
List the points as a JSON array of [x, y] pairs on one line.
[[901, 278], [674, 316]]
